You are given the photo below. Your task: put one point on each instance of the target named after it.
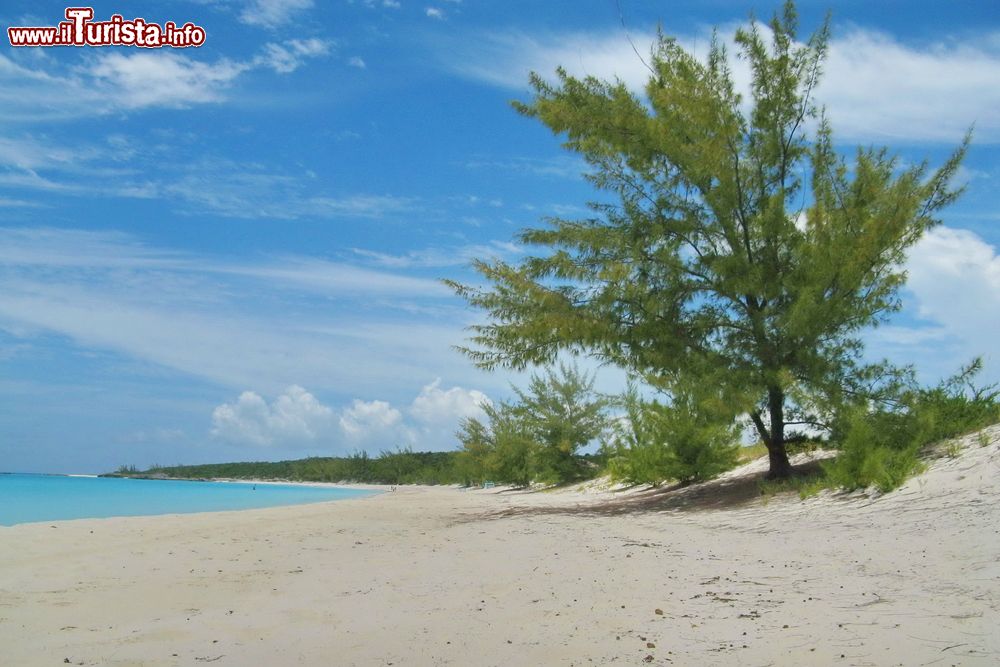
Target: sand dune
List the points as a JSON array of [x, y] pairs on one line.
[[428, 576]]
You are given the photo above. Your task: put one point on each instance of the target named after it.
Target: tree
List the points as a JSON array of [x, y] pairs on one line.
[[562, 413], [634, 449], [733, 249], [477, 447], [501, 450]]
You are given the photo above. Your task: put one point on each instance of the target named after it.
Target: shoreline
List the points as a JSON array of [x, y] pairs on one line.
[[433, 575], [373, 488]]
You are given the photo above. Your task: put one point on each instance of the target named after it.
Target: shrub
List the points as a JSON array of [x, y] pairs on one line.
[[881, 448], [687, 440]]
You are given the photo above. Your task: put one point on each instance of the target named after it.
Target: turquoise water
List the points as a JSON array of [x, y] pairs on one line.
[[27, 498]]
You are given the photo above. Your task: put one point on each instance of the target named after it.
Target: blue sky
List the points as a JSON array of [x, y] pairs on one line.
[[234, 252]]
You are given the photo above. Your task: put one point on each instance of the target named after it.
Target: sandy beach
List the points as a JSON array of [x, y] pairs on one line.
[[441, 576]]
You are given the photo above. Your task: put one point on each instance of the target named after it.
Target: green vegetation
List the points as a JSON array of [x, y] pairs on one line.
[[691, 440], [882, 447], [731, 248], [398, 467], [537, 438]]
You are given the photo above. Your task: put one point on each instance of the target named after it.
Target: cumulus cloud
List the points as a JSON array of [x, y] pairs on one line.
[[955, 278], [953, 288], [294, 417], [366, 420], [428, 423], [435, 406]]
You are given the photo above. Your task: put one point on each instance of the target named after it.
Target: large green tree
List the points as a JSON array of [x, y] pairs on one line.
[[734, 244]]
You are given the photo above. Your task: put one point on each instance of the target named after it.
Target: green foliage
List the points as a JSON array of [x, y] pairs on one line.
[[538, 437], [561, 413], [635, 450], [877, 450], [514, 450], [956, 406], [689, 440], [701, 444], [882, 447], [804, 485], [474, 461], [402, 466], [752, 452], [730, 249]]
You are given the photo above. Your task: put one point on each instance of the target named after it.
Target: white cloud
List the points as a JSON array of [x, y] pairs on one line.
[[954, 288], [506, 58], [562, 166], [363, 206], [265, 324], [295, 417], [357, 61], [429, 423], [955, 276], [273, 13], [289, 56], [367, 421], [164, 79], [114, 81], [443, 257], [436, 407], [434, 13], [235, 189], [875, 87]]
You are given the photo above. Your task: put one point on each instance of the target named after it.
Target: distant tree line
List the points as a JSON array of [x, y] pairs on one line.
[[402, 466]]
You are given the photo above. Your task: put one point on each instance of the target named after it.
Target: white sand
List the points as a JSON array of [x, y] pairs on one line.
[[429, 576]]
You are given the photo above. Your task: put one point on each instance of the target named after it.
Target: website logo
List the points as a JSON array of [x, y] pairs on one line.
[[79, 29]]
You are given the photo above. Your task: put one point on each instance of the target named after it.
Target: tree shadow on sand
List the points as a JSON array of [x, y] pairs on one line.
[[723, 493]]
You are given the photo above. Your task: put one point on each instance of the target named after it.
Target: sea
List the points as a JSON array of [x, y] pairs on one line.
[[26, 498]]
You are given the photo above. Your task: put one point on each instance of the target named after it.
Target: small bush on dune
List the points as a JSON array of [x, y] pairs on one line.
[[634, 451], [873, 453], [698, 447], [882, 448]]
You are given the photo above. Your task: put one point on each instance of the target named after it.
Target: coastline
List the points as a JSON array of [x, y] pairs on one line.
[[434, 575], [279, 482], [178, 507]]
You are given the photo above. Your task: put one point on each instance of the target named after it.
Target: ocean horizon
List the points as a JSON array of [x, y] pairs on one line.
[[35, 497]]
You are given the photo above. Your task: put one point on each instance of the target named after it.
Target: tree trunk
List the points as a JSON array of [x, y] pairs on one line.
[[777, 456]]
